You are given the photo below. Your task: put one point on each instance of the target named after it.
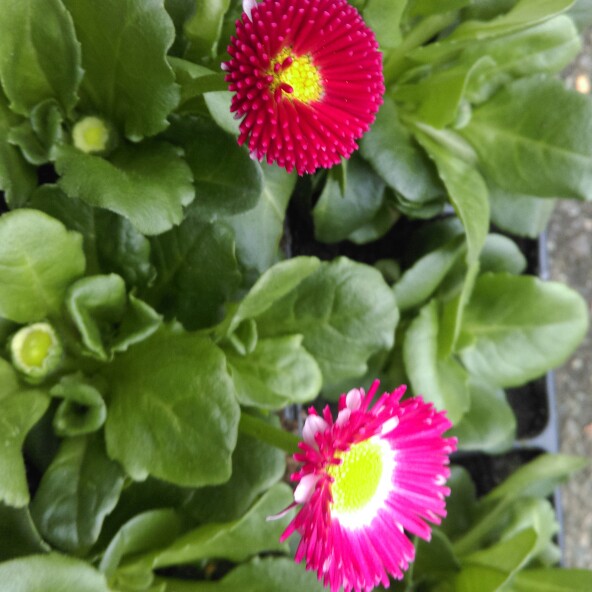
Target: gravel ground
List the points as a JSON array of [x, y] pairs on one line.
[[570, 250]]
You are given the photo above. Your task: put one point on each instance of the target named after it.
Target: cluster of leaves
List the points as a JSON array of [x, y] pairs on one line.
[[159, 265]]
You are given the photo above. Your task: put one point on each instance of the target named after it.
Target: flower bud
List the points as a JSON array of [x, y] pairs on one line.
[[36, 351], [92, 135]]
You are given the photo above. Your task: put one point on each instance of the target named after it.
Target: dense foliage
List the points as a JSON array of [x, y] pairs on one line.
[[190, 286]]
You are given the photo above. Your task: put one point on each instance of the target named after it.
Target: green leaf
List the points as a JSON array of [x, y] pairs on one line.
[[39, 258], [255, 468], [434, 557], [117, 82], [172, 412], [148, 183], [489, 425], [494, 566], [18, 534], [235, 541], [144, 532], [227, 180], [39, 54], [218, 104], [466, 189], [195, 263], [535, 137], [275, 284], [277, 373], [107, 323], [17, 178], [50, 573], [204, 27], [442, 381], [121, 249], [525, 13], [82, 410], [95, 303], [259, 575], [547, 47], [538, 478], [80, 487], [19, 412], [258, 231], [500, 254], [523, 215], [517, 328], [397, 158], [581, 14], [436, 100], [38, 136], [428, 7], [383, 221], [552, 580], [460, 505], [336, 215], [345, 312], [111, 243], [421, 280], [384, 18]]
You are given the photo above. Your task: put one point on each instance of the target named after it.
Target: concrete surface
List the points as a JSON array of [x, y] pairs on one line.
[[570, 254]]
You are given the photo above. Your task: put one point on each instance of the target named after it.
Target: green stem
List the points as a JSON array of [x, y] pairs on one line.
[[257, 428], [422, 32]]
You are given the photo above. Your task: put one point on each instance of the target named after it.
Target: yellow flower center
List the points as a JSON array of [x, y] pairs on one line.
[[357, 478], [90, 134], [35, 348], [297, 73]]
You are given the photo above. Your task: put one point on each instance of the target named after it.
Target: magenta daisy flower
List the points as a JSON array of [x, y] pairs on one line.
[[308, 81], [368, 477]]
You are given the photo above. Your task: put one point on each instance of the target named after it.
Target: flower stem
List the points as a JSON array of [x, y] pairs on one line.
[[422, 32], [257, 428]]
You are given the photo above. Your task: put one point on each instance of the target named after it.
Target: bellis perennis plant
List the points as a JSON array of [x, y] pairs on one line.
[[367, 477]]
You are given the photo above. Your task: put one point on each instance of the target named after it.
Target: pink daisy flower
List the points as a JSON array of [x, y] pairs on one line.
[[368, 477], [308, 81]]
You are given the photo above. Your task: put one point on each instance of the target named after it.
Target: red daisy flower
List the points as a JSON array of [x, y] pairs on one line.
[[366, 478], [308, 81]]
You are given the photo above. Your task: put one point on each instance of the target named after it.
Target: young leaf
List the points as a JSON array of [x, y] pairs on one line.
[[258, 231], [384, 18], [535, 137], [39, 258], [345, 312], [149, 183], [489, 425], [552, 580], [255, 468], [538, 478], [18, 534], [420, 281], [117, 81], [42, 573], [144, 532], [195, 263], [172, 412], [203, 28], [517, 328], [17, 177], [19, 412], [337, 215], [523, 215], [80, 487], [277, 373], [392, 151], [39, 54], [235, 541], [227, 181], [443, 381], [259, 575]]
